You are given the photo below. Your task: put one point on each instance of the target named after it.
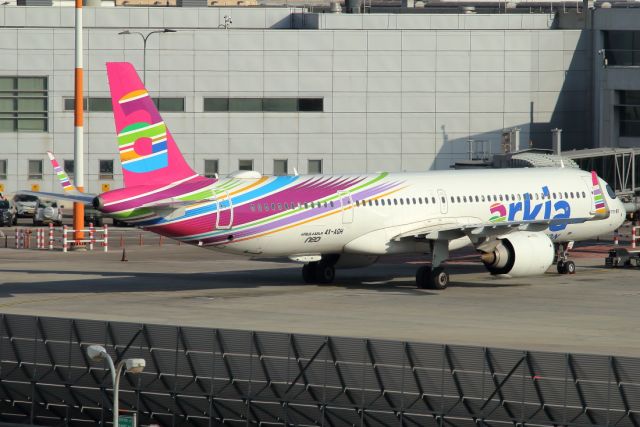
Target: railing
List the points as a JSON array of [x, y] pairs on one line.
[[47, 239]]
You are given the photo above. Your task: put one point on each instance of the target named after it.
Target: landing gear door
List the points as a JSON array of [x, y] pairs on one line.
[[442, 201], [224, 211], [346, 204]]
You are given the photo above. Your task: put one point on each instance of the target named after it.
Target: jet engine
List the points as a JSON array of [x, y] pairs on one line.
[[519, 254]]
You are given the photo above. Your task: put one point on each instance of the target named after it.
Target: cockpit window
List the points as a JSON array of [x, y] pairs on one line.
[[610, 191]]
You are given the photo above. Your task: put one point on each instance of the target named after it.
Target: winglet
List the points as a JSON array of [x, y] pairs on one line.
[[600, 208], [67, 186]]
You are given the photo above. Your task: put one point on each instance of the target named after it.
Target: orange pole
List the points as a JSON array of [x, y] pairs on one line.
[[78, 208]]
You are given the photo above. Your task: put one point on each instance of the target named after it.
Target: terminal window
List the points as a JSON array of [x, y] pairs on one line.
[[245, 165], [35, 169], [314, 166], [3, 169], [622, 48], [210, 168], [69, 167], [628, 109], [23, 104], [106, 169], [280, 167], [283, 105], [98, 104]]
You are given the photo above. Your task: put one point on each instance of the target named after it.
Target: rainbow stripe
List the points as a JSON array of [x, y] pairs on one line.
[[61, 174]]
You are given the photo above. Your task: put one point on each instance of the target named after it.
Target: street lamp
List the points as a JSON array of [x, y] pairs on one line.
[[144, 46], [97, 353]]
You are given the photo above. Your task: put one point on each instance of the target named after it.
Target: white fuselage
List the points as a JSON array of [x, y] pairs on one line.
[[443, 199]]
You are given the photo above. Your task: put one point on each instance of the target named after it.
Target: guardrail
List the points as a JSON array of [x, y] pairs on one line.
[[633, 236], [46, 239]]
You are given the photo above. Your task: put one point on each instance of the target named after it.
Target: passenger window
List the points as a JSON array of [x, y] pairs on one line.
[[414, 201], [571, 194], [286, 206], [442, 198], [376, 202], [566, 196], [477, 199], [408, 201], [584, 196], [331, 203], [458, 199], [382, 202], [464, 199], [252, 208], [554, 195], [259, 208], [420, 200], [501, 197], [401, 201], [482, 198], [279, 206], [452, 200], [395, 201], [370, 203], [306, 206], [266, 207], [357, 203], [273, 206]]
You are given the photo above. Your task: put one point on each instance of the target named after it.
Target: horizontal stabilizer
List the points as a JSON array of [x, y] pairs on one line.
[[85, 198]]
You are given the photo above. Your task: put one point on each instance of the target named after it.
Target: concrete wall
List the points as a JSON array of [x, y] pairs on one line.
[[394, 99]]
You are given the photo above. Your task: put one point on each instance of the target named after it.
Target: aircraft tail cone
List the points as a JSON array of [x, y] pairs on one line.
[[124, 255]]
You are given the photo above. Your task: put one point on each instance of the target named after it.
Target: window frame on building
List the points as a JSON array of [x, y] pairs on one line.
[[69, 167], [13, 116], [245, 168], [310, 169], [103, 172], [4, 166], [216, 104], [628, 112], [278, 170], [35, 175], [209, 172]]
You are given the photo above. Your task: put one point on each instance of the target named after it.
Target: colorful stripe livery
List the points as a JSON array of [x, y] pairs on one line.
[[148, 153], [61, 174], [253, 207], [598, 197]]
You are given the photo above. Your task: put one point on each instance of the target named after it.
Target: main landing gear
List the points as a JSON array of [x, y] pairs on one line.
[[321, 272], [434, 277], [565, 265]]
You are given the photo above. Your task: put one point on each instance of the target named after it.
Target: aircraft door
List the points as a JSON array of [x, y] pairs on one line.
[[224, 211], [442, 201], [346, 204]]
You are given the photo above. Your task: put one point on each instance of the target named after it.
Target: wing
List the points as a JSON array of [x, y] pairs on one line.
[[80, 197]]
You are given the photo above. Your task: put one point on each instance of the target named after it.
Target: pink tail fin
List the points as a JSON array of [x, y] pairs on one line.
[[148, 153]]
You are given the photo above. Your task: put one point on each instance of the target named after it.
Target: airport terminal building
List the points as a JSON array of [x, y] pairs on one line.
[[280, 90]]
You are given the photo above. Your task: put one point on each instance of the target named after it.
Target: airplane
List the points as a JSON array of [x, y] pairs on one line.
[[519, 220]]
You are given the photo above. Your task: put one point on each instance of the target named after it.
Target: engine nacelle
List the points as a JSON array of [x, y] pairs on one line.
[[520, 254]]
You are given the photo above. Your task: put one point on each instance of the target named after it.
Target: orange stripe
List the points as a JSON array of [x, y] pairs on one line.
[[266, 233], [78, 104], [128, 155], [258, 182]]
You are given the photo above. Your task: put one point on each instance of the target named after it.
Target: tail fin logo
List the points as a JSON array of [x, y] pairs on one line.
[[598, 197], [142, 145]]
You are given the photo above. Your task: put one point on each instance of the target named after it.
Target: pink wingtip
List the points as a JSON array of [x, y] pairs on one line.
[[594, 178]]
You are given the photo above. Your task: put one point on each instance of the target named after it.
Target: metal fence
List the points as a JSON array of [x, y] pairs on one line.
[[202, 376]]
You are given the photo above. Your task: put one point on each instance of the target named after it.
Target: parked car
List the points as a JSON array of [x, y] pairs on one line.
[[26, 205], [48, 212], [7, 213]]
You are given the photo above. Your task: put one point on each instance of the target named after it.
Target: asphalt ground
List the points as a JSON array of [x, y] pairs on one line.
[[593, 311]]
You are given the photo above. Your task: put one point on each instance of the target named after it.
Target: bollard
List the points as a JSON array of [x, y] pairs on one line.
[[105, 238], [65, 244], [616, 238], [38, 233], [17, 237], [140, 240], [51, 239], [633, 237], [91, 236], [160, 241]]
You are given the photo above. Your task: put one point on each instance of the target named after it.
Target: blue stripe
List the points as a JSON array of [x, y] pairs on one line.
[[276, 184]]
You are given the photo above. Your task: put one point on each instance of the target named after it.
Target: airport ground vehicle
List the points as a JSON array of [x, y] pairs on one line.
[[47, 212], [26, 205], [7, 213], [517, 219]]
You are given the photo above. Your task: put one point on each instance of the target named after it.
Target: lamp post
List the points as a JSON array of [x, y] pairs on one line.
[[97, 353], [144, 47]]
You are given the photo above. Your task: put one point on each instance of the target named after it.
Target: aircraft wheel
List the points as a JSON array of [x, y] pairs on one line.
[[569, 267], [439, 279], [309, 272], [325, 273], [422, 275], [560, 267]]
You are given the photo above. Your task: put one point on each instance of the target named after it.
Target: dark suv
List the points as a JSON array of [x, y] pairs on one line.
[[7, 213]]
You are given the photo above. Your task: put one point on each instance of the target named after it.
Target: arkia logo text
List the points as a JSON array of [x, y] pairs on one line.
[[530, 211]]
